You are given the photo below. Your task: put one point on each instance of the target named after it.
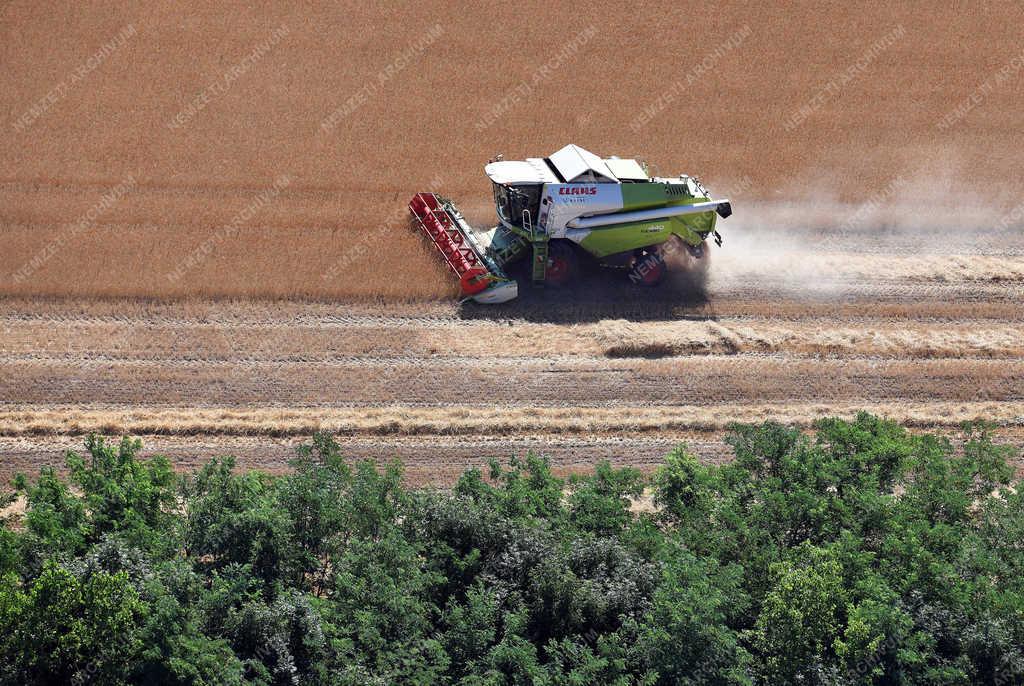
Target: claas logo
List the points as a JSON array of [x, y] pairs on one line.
[[577, 190]]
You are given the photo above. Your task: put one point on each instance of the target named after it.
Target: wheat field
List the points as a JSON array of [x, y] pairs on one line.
[[204, 237], [272, 154]]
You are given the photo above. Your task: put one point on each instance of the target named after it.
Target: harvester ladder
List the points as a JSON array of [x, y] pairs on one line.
[[539, 240]]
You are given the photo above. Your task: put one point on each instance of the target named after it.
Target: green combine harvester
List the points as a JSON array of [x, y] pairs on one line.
[[570, 206]]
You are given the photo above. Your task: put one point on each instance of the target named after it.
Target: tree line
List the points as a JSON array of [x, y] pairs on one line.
[[856, 553]]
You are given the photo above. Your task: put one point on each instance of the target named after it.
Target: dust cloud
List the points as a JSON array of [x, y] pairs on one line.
[[928, 223]]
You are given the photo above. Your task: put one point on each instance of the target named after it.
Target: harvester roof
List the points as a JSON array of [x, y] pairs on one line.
[[571, 164], [576, 164], [512, 172]]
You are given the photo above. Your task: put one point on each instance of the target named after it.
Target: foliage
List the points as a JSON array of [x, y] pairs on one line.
[[854, 554]]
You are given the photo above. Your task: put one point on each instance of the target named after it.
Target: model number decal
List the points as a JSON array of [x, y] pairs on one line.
[[654, 229]]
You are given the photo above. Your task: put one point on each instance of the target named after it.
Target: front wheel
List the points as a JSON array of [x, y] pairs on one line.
[[563, 264]]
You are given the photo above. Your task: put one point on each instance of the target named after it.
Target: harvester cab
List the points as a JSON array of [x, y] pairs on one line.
[[571, 205]]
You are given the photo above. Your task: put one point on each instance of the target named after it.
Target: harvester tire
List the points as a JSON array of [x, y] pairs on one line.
[[648, 269], [563, 263]]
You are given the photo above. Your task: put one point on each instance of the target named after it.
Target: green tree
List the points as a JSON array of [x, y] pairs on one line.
[[802, 617], [124, 494], [853, 553], [600, 503], [237, 519], [55, 522], [65, 629]]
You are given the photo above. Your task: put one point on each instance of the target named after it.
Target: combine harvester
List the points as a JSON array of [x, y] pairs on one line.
[[565, 206]]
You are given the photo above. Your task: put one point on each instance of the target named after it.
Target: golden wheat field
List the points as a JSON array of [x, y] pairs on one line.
[[204, 237]]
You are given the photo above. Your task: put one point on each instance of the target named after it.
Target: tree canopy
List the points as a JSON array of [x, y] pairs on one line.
[[856, 553]]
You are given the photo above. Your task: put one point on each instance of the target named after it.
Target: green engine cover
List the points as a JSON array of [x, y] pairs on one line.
[[617, 238]]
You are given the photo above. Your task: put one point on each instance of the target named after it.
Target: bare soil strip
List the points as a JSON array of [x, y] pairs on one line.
[[374, 341], [444, 387]]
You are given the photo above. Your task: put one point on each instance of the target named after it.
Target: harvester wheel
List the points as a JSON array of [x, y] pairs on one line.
[[648, 268], [563, 264]]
